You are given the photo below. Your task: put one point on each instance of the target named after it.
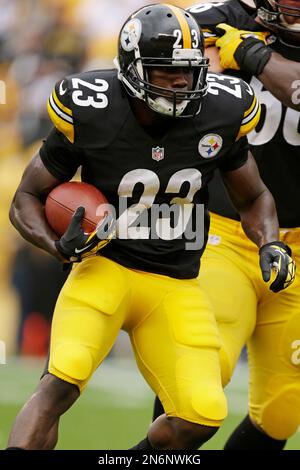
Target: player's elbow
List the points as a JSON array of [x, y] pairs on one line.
[[12, 212], [15, 209]]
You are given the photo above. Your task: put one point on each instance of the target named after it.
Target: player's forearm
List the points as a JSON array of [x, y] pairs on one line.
[[282, 78], [27, 216], [259, 219]]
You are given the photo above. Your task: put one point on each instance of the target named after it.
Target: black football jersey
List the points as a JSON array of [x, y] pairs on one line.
[[141, 175], [275, 142]]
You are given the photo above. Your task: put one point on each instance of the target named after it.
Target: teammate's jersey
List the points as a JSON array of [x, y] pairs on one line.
[[96, 128], [275, 142]]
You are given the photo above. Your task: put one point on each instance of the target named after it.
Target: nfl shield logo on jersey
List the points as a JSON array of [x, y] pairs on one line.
[[210, 145], [158, 153]]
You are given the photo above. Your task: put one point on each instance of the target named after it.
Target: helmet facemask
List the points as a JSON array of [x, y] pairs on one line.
[[164, 100], [275, 15]]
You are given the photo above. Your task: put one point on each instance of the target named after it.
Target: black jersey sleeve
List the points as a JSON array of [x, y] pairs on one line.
[[251, 110], [249, 115], [59, 156], [58, 152], [232, 12], [237, 157], [60, 109]]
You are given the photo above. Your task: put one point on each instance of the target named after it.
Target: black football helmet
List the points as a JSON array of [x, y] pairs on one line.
[[274, 14], [162, 35]]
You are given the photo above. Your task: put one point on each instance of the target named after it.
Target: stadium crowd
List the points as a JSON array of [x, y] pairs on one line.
[[40, 41]]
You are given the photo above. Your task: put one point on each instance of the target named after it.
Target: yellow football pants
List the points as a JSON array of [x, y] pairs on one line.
[[246, 310], [171, 326]]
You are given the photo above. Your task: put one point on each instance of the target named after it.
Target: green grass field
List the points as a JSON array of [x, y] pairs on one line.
[[114, 412]]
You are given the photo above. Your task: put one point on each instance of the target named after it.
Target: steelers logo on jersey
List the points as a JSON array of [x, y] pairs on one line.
[[131, 34], [210, 145]]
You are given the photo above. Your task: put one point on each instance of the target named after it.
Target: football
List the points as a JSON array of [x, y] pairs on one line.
[[63, 201]]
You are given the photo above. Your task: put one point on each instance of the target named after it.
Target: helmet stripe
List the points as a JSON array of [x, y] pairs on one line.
[[186, 33]]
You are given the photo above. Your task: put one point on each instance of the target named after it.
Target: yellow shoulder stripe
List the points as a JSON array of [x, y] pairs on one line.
[[251, 107], [60, 105], [186, 33], [250, 120], [66, 127]]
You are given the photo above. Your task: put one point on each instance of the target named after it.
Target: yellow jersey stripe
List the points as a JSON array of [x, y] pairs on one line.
[[63, 126], [186, 33], [248, 125], [251, 115], [60, 105], [251, 107], [58, 111]]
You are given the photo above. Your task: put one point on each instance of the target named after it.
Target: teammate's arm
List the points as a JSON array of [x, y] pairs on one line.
[[279, 75], [27, 208], [256, 207], [254, 202], [282, 78]]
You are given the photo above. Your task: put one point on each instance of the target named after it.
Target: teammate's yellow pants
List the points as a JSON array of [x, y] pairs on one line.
[[172, 329], [246, 310]]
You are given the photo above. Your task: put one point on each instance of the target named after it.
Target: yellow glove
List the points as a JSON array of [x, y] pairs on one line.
[[210, 37], [231, 40]]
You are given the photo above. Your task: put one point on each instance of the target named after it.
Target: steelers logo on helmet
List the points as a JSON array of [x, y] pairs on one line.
[[131, 34], [166, 37]]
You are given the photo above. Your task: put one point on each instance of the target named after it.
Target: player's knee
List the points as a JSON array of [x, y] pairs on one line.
[[177, 433], [280, 417], [73, 361], [210, 406]]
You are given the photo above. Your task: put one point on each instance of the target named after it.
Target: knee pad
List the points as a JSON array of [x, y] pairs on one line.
[[280, 417], [73, 361], [211, 405]]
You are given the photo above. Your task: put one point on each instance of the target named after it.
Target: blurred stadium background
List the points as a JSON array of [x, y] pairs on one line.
[[40, 42]]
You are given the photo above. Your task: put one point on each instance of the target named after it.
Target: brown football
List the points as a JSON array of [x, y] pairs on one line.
[[63, 201]]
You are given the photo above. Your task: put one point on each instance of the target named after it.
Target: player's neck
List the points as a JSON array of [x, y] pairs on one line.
[[145, 116]]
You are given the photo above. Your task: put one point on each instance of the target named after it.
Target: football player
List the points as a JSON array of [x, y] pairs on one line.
[[250, 52], [229, 264], [148, 134]]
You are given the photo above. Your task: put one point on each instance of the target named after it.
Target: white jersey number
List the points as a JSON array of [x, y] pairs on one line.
[[232, 85], [100, 86], [295, 358], [151, 184], [274, 113]]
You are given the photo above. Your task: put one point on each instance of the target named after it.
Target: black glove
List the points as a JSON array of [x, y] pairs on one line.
[[75, 244], [276, 255]]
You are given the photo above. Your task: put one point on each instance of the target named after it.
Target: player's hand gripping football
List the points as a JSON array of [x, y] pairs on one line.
[[242, 49], [277, 256], [75, 244]]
